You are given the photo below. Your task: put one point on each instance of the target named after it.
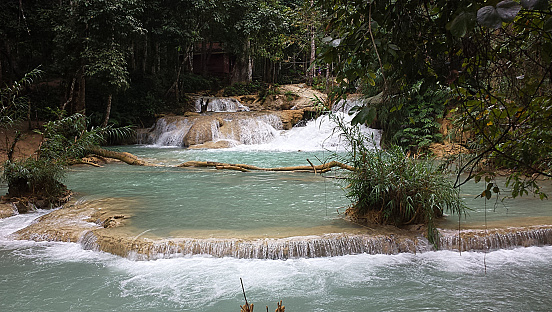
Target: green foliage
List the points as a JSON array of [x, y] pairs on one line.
[[506, 95], [238, 89], [413, 121], [388, 187], [69, 138], [37, 177], [13, 106], [192, 83], [64, 140], [495, 56]]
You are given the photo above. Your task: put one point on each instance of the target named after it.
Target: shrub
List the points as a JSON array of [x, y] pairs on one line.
[[388, 187], [34, 177], [411, 119], [64, 140], [238, 89]]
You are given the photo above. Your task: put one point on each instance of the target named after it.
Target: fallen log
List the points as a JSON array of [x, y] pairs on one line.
[[135, 161], [122, 156], [245, 168]]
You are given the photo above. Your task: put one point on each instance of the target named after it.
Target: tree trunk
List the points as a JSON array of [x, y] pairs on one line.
[[107, 110], [132, 56], [145, 57], [204, 58], [71, 93], [245, 168], [243, 69], [80, 106], [312, 71], [122, 156]]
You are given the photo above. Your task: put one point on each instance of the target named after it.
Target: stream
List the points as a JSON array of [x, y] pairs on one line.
[[204, 203]]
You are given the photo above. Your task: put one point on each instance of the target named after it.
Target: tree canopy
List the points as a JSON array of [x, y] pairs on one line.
[[493, 56]]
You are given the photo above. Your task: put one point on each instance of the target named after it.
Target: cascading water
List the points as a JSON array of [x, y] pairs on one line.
[[259, 131], [219, 104], [241, 128], [320, 134], [203, 230]]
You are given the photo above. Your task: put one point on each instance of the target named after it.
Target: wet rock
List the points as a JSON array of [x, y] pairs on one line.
[[7, 210], [214, 145], [113, 221]]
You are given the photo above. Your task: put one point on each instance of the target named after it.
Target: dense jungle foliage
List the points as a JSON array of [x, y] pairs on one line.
[[494, 58], [485, 65]]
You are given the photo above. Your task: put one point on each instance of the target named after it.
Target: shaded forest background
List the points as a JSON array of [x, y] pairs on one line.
[[129, 59]]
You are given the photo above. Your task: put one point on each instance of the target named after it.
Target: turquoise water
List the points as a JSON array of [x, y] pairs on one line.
[[48, 276], [63, 277], [170, 201], [167, 201]]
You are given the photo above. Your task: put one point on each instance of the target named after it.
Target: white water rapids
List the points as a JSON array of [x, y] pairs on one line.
[[313, 272]]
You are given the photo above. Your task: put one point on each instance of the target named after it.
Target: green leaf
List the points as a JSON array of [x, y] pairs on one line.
[[393, 47], [462, 24], [507, 10], [534, 4], [488, 194], [365, 116], [488, 16], [547, 25]]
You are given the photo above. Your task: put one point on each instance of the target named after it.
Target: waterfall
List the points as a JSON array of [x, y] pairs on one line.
[[318, 134], [472, 240], [327, 245], [219, 104], [167, 131], [241, 128]]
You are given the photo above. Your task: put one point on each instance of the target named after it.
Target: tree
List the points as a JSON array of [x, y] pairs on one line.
[[495, 58]]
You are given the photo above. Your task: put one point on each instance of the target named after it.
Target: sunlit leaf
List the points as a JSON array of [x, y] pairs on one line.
[[547, 25], [488, 194]]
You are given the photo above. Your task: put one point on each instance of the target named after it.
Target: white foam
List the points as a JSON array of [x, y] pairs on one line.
[[219, 104], [317, 135]]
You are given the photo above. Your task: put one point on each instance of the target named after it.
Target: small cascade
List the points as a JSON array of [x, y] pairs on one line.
[[251, 131], [328, 245], [344, 106], [219, 104], [472, 240], [319, 134], [167, 131], [240, 128]]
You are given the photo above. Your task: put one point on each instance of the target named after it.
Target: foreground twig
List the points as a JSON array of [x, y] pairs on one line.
[[247, 307]]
